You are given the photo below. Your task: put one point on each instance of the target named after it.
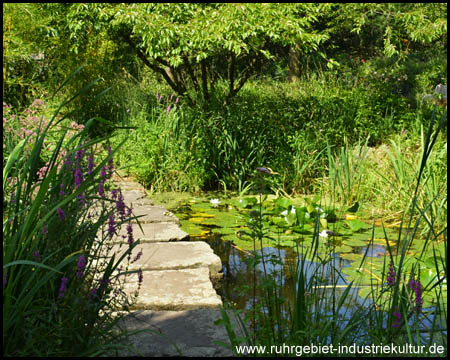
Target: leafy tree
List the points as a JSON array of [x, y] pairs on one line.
[[389, 28], [193, 46]]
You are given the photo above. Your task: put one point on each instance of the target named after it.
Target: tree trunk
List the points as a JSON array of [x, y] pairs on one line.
[[294, 65]]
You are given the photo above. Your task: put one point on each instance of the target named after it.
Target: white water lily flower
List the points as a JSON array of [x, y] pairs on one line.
[[323, 234], [284, 213], [215, 202]]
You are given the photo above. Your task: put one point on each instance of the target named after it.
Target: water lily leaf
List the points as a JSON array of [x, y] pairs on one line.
[[282, 202], [356, 225], [354, 242], [278, 221]]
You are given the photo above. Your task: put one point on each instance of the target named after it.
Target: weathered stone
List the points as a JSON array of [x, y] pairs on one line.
[[172, 256], [151, 214], [183, 289], [154, 232], [136, 197], [176, 333]]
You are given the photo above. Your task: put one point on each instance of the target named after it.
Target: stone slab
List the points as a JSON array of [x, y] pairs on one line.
[[172, 256], [136, 197], [154, 232], [184, 289], [152, 214], [176, 333]]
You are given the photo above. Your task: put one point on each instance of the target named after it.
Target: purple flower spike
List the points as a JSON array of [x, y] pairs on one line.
[[61, 214], [130, 234], [78, 177], [391, 275], [63, 287], [80, 266], [111, 223], [398, 318]]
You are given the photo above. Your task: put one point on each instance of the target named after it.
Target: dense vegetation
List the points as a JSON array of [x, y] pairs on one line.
[[200, 95]]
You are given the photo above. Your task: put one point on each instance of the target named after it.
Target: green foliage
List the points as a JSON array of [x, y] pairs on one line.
[[60, 292], [171, 40]]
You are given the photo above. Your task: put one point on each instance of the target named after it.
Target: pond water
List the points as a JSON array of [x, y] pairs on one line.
[[223, 223]]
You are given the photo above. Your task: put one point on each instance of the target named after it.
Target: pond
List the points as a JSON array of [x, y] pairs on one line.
[[344, 242]]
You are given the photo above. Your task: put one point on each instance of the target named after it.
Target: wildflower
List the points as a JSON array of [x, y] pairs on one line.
[[114, 193], [130, 234], [363, 61], [61, 191], [79, 154], [138, 256], [168, 109], [111, 223], [120, 205], [103, 172], [81, 264], [416, 286], [93, 292], [326, 233], [101, 189], [63, 287], [78, 177], [398, 318], [391, 275], [177, 99], [61, 214]]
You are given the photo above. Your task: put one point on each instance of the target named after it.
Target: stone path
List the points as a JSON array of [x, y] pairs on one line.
[[177, 303]]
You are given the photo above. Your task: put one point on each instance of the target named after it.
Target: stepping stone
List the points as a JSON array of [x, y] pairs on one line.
[[172, 256], [192, 331], [152, 214], [184, 289], [129, 185], [153, 232], [136, 197]]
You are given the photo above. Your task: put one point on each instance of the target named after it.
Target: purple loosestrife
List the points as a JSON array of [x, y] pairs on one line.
[[78, 177], [397, 320], [416, 286], [111, 228], [130, 234], [120, 205], [81, 264], [63, 287], [391, 275], [61, 191], [138, 256], [140, 277], [61, 214], [101, 189]]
